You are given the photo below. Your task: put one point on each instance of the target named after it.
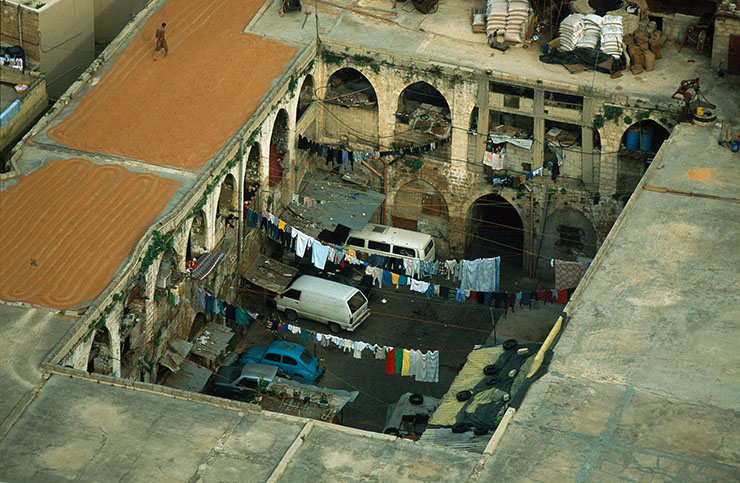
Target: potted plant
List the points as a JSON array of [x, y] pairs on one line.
[[323, 400]]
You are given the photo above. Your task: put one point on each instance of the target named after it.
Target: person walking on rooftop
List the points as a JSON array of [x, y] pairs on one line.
[[161, 41]]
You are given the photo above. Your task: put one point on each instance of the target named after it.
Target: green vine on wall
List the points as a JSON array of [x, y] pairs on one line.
[[202, 201], [613, 113], [160, 244]]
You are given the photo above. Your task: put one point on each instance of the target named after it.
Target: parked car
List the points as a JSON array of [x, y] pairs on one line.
[[292, 360], [234, 382], [335, 304]]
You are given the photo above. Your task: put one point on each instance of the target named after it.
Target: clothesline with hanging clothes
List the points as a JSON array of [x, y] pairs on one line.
[[347, 158], [424, 366], [479, 279], [213, 305]]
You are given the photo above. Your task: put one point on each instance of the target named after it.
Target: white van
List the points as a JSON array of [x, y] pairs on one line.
[[338, 305], [391, 242]]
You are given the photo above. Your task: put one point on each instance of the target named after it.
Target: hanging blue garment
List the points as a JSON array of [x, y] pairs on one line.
[[201, 299], [460, 295], [242, 318], [430, 291], [208, 305], [319, 253], [386, 278]]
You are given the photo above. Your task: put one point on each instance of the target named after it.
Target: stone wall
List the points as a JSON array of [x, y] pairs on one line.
[[13, 15], [723, 28]]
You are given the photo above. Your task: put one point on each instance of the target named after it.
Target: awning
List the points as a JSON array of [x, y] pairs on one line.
[[177, 353], [338, 202], [191, 377], [212, 342], [269, 274]]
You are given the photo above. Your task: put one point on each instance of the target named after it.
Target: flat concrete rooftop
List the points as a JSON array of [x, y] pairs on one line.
[[79, 430], [645, 381], [446, 37]]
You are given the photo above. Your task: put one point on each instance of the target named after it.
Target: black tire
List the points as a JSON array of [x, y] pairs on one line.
[[334, 328], [393, 431], [490, 370], [291, 315], [510, 344], [416, 399], [459, 428], [480, 431], [491, 381], [464, 395]]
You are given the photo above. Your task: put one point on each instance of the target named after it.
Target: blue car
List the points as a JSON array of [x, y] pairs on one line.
[[292, 360]]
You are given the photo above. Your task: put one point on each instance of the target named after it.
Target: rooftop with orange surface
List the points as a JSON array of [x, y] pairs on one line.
[[101, 173]]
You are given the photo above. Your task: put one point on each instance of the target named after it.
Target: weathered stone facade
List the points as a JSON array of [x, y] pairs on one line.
[[585, 198]]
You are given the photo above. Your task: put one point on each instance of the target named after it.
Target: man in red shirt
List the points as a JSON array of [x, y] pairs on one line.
[[161, 41]]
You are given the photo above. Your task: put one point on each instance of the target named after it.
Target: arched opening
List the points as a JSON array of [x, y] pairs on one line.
[[227, 207], [420, 207], [199, 323], [350, 108], [495, 229], [568, 234], [252, 179], [197, 238], [640, 142], [472, 134], [423, 117], [278, 147], [100, 359], [305, 97]]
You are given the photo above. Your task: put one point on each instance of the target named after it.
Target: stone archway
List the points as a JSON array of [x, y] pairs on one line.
[[305, 97], [423, 116], [568, 234], [199, 323], [252, 178], [100, 359], [350, 108], [637, 148], [197, 240], [278, 148], [419, 206], [494, 228]]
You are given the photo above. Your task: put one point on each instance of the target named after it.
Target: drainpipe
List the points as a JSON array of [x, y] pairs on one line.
[[240, 222], [20, 26], [531, 232], [385, 191]]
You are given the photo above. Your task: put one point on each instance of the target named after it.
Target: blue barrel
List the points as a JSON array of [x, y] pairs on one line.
[[646, 140], [632, 140]]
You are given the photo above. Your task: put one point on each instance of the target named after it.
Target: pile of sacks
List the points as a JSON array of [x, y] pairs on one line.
[[643, 47], [508, 18], [496, 11], [571, 31], [591, 31], [611, 35]]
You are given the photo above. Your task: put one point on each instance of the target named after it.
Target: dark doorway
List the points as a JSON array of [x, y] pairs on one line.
[[495, 230]]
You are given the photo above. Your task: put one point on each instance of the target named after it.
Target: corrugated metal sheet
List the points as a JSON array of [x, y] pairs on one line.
[[343, 203]]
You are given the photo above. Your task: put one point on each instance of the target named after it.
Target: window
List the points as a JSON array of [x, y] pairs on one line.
[[383, 247], [357, 301], [293, 294], [510, 90], [431, 205], [512, 102], [404, 252], [246, 382], [290, 361], [272, 357], [570, 237], [356, 242], [429, 248], [305, 357]]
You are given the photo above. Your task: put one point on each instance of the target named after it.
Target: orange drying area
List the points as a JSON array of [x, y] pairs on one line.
[[180, 110], [66, 229]]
